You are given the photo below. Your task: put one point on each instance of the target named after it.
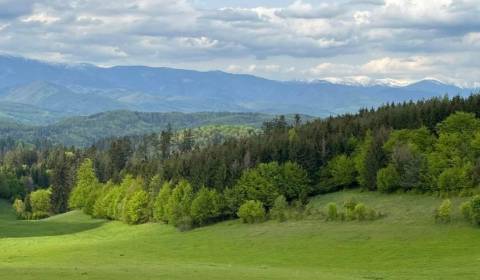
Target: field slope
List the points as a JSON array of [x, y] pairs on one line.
[[406, 244]]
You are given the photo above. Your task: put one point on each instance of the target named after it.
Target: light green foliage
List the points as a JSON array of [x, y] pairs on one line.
[[179, 203], [251, 212], [260, 183], [339, 173], [100, 207], [19, 208], [453, 180], [475, 210], [443, 212], [332, 211], [155, 185], [420, 139], [83, 193], [232, 199], [136, 208], [461, 123], [279, 209], [360, 211], [388, 179], [266, 182], [129, 186], [294, 182], [205, 206], [40, 202], [161, 201]]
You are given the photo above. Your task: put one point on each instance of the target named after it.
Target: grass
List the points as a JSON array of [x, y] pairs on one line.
[[406, 244]]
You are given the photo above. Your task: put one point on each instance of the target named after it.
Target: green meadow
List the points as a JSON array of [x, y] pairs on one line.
[[405, 244]]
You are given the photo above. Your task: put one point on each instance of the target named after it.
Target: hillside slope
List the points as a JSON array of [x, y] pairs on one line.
[[82, 131], [406, 244]]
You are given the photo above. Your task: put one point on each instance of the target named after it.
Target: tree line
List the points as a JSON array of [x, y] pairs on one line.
[[431, 146]]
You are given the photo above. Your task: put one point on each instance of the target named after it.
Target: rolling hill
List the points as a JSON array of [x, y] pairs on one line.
[[406, 244]]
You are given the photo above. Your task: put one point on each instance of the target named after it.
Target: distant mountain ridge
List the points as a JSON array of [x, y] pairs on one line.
[[60, 90]]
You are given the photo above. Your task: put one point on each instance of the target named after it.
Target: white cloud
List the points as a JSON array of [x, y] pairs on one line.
[[401, 39]]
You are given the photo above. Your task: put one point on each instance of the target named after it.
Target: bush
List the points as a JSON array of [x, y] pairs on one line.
[[332, 212], [388, 179], [251, 212], [442, 213], [19, 207], [280, 207], [360, 212], [205, 206], [136, 208], [41, 203]]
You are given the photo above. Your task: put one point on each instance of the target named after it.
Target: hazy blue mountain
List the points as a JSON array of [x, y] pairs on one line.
[[85, 89]]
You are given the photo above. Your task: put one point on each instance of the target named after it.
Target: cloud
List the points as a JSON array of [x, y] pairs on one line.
[[10, 9], [316, 38]]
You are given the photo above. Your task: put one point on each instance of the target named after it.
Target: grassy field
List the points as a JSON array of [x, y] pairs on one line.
[[406, 244]]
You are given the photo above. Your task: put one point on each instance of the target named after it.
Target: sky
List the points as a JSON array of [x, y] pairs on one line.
[[355, 41]]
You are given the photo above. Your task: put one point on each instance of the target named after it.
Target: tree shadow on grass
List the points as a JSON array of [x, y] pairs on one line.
[[18, 229]]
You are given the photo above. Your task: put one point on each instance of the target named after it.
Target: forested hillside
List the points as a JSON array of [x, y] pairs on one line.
[[426, 147], [84, 131]]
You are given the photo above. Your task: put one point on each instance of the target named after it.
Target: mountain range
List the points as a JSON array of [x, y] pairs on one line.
[[38, 93]]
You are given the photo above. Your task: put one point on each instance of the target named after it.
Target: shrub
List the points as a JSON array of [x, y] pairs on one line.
[[40, 201], [136, 208], [251, 212], [452, 180], [19, 207], [332, 212], [442, 213], [360, 212], [205, 206], [466, 211], [280, 207], [388, 179]]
